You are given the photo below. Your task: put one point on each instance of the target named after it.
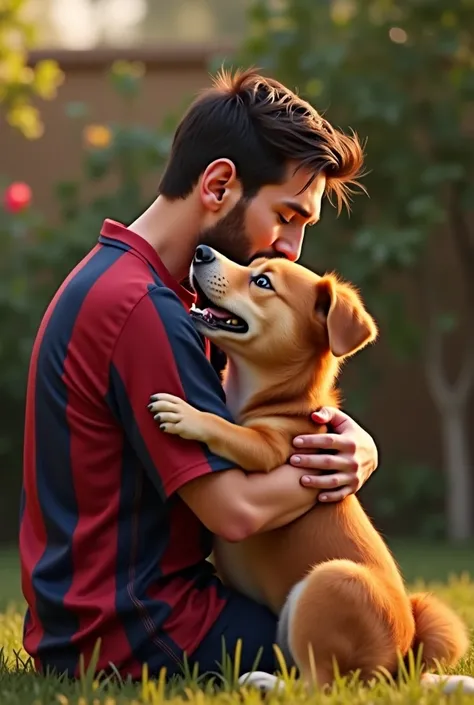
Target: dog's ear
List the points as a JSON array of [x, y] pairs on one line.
[[350, 327]]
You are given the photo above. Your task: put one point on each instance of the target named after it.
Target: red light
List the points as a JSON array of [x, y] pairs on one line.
[[17, 197]]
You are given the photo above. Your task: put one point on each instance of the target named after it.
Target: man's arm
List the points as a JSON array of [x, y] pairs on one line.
[[159, 349], [235, 505]]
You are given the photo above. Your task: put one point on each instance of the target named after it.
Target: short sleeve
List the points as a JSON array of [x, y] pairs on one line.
[[160, 350]]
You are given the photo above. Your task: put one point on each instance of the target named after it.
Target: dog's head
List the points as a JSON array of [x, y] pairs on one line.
[[275, 311]]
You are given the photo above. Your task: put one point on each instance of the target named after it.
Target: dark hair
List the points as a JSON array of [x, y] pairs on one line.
[[261, 126]]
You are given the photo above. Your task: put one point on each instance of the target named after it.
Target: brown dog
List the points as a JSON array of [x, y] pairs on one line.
[[328, 574]]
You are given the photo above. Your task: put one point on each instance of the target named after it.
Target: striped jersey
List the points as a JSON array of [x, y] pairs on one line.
[[108, 549]]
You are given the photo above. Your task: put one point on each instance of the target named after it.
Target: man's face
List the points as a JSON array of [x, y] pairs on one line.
[[274, 221]]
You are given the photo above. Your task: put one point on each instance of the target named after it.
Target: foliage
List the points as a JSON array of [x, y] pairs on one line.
[[401, 75], [406, 500], [20, 83], [36, 255]]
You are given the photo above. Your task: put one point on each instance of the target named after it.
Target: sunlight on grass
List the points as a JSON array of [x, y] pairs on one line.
[[20, 685]]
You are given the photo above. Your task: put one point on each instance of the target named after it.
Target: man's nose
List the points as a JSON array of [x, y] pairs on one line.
[[291, 249]]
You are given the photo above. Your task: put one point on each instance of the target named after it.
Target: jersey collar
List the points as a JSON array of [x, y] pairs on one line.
[[116, 234]]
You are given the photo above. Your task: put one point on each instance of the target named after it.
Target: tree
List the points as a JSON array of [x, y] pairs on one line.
[[402, 75], [19, 82]]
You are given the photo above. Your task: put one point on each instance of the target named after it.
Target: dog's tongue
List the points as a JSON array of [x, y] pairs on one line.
[[218, 312]]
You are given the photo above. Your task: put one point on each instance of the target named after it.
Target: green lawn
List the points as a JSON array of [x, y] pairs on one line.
[[10, 589], [433, 561], [445, 568]]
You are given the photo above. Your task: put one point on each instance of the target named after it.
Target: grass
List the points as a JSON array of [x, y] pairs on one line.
[[440, 567]]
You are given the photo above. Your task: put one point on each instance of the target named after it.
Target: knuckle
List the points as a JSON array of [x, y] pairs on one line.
[[324, 441], [327, 461], [351, 446], [353, 466]]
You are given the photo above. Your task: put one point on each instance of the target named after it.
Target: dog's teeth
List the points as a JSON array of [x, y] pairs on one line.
[[234, 322], [229, 322]]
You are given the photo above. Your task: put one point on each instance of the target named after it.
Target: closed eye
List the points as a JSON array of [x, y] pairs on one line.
[[263, 282], [282, 219]]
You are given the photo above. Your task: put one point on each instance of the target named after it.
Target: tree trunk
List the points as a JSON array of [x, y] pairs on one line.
[[452, 398], [457, 463], [452, 403]]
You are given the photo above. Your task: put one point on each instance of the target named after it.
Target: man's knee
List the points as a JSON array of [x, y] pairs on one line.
[[245, 620]]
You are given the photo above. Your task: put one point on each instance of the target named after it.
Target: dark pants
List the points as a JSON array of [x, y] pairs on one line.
[[243, 619]]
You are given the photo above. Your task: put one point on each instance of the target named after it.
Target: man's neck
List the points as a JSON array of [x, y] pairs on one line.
[[170, 228]]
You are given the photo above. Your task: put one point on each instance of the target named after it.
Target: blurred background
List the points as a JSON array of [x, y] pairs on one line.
[[90, 93]]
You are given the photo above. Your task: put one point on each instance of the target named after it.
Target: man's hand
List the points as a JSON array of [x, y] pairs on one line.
[[352, 464]]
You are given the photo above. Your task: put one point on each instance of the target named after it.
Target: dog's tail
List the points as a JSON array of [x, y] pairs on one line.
[[439, 631]]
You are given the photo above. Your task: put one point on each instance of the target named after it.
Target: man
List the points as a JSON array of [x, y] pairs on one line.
[[117, 518]]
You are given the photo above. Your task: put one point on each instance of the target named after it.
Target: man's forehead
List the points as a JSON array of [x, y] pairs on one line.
[[305, 191]]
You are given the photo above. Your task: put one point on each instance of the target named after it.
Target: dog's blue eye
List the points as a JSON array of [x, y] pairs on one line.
[[263, 282]]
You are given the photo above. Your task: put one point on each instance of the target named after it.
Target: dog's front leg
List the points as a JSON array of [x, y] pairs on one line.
[[250, 448]]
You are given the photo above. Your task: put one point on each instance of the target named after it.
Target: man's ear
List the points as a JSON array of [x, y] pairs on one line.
[[350, 327], [218, 185]]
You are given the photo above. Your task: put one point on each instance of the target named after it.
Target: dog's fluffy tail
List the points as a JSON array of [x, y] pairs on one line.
[[439, 631]]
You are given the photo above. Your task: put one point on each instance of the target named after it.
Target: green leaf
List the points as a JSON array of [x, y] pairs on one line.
[[77, 110], [447, 322]]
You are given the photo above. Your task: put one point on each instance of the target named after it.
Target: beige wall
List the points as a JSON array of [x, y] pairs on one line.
[[171, 76], [402, 417]]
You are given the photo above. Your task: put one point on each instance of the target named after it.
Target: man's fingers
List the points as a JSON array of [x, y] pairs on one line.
[[336, 495], [329, 414], [327, 482], [329, 441], [336, 463]]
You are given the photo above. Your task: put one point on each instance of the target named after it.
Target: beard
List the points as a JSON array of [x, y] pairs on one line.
[[229, 235]]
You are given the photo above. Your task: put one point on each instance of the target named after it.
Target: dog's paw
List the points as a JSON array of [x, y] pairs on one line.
[[265, 682], [176, 416], [449, 684]]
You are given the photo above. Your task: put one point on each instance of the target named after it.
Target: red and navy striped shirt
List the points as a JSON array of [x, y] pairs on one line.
[[108, 548]]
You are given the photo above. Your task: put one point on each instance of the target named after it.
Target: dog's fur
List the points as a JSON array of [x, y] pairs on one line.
[[328, 574]]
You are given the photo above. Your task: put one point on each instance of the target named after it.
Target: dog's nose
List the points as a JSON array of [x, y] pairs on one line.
[[204, 255]]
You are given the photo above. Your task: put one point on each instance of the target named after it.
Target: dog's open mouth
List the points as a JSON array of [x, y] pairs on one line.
[[214, 317]]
